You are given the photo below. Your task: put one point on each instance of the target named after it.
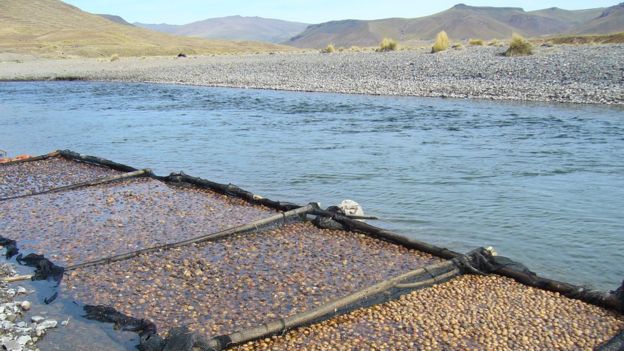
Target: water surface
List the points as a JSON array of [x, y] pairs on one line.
[[542, 183]]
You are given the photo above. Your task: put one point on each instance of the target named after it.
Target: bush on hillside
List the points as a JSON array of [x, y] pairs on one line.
[[388, 44], [442, 43], [519, 47], [476, 42], [330, 49]]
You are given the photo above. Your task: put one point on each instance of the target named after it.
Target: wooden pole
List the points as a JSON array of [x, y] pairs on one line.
[[325, 311], [34, 158], [17, 278], [83, 184], [281, 217]]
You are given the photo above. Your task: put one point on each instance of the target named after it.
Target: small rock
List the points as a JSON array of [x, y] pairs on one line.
[[3, 316], [23, 340], [47, 324], [12, 345], [25, 305], [21, 324], [37, 319], [21, 290]]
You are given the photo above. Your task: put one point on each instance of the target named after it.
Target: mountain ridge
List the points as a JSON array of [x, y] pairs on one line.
[[251, 28], [463, 22], [56, 29]]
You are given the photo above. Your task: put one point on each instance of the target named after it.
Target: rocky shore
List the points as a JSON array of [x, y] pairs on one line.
[[18, 332], [573, 74]]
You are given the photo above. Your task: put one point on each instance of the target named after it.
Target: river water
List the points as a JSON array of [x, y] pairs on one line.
[[542, 183]]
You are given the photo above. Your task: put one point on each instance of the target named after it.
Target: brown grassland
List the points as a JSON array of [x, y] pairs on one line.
[[51, 28]]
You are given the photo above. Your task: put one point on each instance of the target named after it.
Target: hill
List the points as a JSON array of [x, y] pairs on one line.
[[610, 21], [55, 29], [116, 19], [460, 22], [235, 28], [573, 17]]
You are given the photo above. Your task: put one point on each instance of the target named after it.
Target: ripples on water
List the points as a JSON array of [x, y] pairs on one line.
[[544, 184]]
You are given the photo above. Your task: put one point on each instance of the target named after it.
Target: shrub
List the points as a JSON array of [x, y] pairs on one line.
[[330, 49], [114, 57], [442, 42], [458, 46], [388, 44], [475, 42], [519, 47], [494, 42]]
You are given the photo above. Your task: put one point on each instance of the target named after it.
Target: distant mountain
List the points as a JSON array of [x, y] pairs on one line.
[[573, 17], [610, 21], [116, 19], [460, 22], [54, 28], [162, 27], [234, 28]]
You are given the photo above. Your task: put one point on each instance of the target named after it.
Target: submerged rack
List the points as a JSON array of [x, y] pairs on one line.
[[454, 264]]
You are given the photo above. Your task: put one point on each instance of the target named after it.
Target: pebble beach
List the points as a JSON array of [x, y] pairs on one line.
[[592, 74]]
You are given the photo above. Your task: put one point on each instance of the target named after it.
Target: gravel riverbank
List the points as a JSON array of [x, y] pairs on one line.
[[19, 331], [576, 74]]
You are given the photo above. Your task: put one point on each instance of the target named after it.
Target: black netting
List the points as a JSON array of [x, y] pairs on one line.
[[44, 268], [327, 223], [121, 321], [481, 261], [619, 293], [615, 344], [10, 247]]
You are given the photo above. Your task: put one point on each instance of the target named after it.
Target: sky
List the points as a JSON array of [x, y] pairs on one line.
[[307, 11]]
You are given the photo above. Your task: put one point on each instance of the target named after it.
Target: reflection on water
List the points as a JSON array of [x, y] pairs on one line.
[[542, 183]]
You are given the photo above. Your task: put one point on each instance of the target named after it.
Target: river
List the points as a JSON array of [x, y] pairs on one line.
[[542, 183]]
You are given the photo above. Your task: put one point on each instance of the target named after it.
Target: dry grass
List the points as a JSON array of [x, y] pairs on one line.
[[329, 49], [617, 38], [52, 28], [442, 43], [476, 42], [519, 47], [388, 44]]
